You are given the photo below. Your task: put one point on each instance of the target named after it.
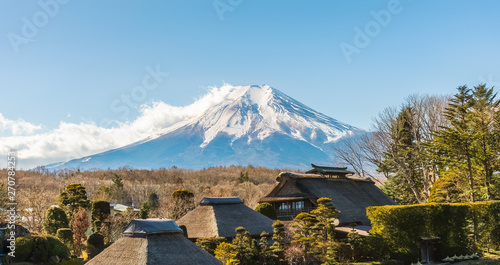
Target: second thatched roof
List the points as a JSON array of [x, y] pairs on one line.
[[153, 241], [220, 216]]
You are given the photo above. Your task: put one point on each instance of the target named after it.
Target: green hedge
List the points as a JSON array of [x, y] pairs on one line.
[[461, 227]]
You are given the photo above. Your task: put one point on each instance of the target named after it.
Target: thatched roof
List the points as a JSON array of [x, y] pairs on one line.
[[219, 217], [153, 241], [220, 200], [151, 226], [323, 170], [350, 196]]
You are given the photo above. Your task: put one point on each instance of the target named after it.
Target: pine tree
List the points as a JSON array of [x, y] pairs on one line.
[[469, 147], [74, 196], [306, 235], [278, 246], [154, 200], [245, 247], [266, 253], [325, 227], [145, 207], [486, 144]]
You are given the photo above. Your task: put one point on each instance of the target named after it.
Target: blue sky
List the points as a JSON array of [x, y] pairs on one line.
[[89, 54]]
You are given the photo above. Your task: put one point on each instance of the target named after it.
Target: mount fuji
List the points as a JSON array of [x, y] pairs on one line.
[[257, 125]]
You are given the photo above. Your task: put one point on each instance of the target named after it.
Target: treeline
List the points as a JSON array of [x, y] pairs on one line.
[[434, 148], [37, 190], [58, 208]]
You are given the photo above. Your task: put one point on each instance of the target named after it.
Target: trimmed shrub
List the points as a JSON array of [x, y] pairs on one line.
[[182, 194], [182, 201], [66, 237], [99, 213], [24, 245], [486, 218], [55, 218], [402, 227], [95, 244], [40, 249], [266, 209], [58, 248]]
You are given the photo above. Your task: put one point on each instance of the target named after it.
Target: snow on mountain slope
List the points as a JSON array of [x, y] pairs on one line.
[[256, 125]]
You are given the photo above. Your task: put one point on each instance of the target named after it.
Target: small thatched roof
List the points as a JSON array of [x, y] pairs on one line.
[[153, 241], [219, 217], [335, 171], [220, 200], [151, 226], [350, 196]]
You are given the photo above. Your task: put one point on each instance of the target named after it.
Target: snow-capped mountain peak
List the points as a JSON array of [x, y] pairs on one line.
[[259, 111], [256, 125]]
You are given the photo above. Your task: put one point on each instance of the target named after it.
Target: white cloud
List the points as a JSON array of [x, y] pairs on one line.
[[72, 140], [17, 127]]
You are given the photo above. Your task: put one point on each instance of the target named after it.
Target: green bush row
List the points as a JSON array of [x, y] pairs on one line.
[[462, 227]]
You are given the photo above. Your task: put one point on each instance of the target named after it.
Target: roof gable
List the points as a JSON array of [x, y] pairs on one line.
[[220, 200], [151, 226], [323, 170], [221, 219]]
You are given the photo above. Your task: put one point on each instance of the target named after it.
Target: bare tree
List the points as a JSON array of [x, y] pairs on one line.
[[34, 200], [382, 147]]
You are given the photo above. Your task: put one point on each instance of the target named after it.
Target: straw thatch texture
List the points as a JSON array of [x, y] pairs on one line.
[[143, 245], [220, 219], [200, 222]]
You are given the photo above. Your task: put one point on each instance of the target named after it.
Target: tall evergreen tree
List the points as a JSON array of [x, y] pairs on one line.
[[278, 246], [469, 146], [485, 143]]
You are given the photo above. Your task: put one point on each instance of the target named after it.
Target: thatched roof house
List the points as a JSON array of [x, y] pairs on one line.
[[219, 217], [153, 241], [339, 172], [295, 193]]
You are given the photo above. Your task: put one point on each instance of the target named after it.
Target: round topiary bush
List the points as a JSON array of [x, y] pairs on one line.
[[55, 218], [66, 237], [267, 210]]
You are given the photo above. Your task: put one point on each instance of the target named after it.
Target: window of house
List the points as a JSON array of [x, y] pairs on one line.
[[297, 206]]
